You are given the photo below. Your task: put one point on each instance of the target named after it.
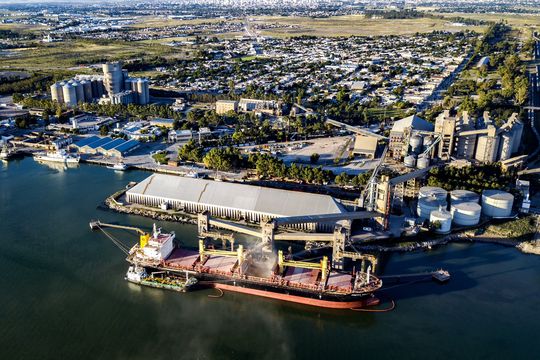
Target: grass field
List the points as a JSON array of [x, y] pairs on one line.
[[149, 21], [67, 54], [356, 25]]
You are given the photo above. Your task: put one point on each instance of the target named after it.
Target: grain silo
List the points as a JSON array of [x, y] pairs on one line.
[[423, 162], [466, 213], [143, 91], [57, 93], [79, 91], [441, 220], [506, 145], [497, 203], [70, 95], [113, 77], [517, 133], [87, 89], [416, 143], [409, 161]]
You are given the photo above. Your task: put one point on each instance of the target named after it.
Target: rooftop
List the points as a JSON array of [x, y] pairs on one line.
[[413, 121], [237, 196]]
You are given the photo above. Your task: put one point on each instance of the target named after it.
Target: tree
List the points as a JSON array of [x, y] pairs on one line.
[[314, 158], [104, 130]]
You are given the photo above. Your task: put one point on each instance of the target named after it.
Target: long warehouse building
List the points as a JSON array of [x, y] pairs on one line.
[[231, 200]]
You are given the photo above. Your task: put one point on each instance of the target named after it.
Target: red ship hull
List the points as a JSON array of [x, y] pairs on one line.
[[362, 303]]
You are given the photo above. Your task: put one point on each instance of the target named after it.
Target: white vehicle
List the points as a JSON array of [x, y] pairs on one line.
[[60, 156], [367, 228]]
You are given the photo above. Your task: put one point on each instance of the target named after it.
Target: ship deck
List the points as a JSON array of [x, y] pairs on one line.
[[227, 266]]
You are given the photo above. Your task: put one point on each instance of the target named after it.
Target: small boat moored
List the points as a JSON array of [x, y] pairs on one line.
[[441, 275], [160, 279], [118, 166]]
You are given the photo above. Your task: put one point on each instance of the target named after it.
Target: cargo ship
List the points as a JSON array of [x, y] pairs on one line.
[[256, 273]]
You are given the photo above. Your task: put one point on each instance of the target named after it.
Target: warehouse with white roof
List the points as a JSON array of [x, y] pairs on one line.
[[231, 200]]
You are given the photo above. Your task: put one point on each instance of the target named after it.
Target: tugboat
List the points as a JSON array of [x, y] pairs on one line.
[[60, 156], [160, 279]]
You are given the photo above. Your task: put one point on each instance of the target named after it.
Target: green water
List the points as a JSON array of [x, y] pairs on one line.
[[63, 296]]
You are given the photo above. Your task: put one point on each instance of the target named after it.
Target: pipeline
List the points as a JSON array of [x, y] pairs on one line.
[[392, 307]]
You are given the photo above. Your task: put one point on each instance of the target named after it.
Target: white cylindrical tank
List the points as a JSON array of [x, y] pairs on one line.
[[87, 89], [57, 93], [427, 205], [433, 192], [416, 143], [466, 213], [70, 95], [460, 196], [497, 203], [423, 162], [444, 220], [409, 161]]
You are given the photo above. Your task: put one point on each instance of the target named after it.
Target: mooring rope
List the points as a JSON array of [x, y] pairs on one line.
[[115, 241]]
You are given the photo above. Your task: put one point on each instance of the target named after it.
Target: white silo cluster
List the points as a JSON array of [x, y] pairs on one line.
[[418, 144], [430, 199], [77, 90], [497, 203], [115, 83]]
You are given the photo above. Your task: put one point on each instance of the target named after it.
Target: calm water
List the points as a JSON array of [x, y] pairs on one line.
[[62, 293]]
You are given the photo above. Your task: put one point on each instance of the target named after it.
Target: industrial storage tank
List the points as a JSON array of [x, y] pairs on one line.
[[466, 213], [487, 148], [113, 77], [497, 203], [57, 92], [423, 162], [506, 146], [433, 192], [460, 196], [517, 132], [409, 161], [143, 91], [79, 91], [427, 205], [428, 141], [444, 220], [416, 143], [87, 89], [70, 95]]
